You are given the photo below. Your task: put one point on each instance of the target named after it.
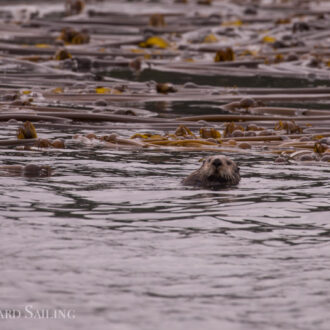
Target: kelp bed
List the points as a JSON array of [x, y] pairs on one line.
[[261, 70]]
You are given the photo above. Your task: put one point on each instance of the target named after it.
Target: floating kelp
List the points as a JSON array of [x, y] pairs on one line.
[[141, 71], [62, 54], [224, 55], [154, 42], [74, 7], [157, 20], [165, 88], [29, 170], [28, 131], [71, 36], [46, 143]]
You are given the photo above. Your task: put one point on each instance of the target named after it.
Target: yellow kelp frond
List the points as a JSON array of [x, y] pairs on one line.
[[156, 42], [28, 131]]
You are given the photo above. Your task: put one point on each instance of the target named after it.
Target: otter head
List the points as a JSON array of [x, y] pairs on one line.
[[220, 171], [216, 172]]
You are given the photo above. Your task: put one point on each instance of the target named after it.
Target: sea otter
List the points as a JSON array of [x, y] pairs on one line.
[[216, 172]]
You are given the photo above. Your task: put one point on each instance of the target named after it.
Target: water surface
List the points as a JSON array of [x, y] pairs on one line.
[[114, 236]]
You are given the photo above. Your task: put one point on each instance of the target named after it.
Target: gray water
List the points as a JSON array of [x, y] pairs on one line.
[[116, 239], [112, 240]]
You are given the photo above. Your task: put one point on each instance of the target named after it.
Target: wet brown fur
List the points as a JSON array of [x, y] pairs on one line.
[[216, 172]]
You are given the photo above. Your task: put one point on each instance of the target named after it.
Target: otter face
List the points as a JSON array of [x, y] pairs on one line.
[[220, 169], [216, 172]]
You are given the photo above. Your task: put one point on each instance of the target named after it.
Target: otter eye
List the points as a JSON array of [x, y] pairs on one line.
[[229, 162]]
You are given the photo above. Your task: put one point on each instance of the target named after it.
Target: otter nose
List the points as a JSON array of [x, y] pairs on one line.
[[217, 162]]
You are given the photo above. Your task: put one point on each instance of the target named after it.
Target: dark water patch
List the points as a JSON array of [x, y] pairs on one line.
[[215, 80]]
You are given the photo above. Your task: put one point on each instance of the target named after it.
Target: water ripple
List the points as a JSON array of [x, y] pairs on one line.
[[119, 239]]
